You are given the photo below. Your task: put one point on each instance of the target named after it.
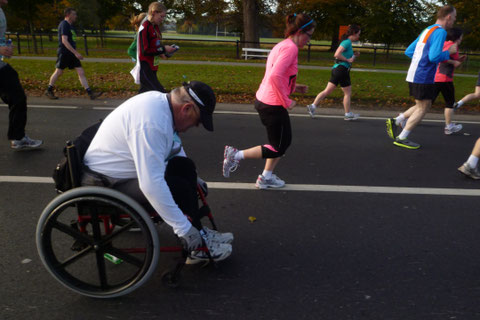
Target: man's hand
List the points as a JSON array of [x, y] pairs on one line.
[[6, 51], [292, 105], [203, 186], [79, 56], [192, 240]]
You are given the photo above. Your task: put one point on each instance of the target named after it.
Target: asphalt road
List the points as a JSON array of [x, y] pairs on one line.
[[383, 233]]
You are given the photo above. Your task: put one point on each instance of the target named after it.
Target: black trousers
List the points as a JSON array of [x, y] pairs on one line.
[[181, 178], [11, 92], [148, 79]]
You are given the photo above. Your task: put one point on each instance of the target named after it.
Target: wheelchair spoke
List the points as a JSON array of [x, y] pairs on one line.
[[76, 257], [125, 256], [74, 233], [102, 272], [108, 238]]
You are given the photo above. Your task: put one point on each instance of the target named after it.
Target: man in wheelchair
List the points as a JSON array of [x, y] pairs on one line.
[[137, 151]]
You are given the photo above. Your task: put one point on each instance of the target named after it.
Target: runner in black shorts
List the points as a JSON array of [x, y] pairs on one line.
[[444, 82], [344, 57], [68, 56]]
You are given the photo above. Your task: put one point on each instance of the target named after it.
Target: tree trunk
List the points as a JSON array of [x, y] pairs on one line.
[[250, 24], [35, 48]]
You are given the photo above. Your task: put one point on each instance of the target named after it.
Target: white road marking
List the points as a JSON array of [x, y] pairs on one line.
[[249, 113], [299, 187]]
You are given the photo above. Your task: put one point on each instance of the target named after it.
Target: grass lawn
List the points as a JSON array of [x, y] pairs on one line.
[[231, 83], [211, 50]]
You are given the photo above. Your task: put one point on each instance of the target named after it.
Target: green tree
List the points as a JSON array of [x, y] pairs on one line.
[[468, 17]]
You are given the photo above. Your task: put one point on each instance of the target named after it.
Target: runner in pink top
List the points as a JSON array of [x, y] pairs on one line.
[[272, 102]]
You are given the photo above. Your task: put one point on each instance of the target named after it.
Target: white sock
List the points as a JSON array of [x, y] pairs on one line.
[[239, 155], [399, 119], [267, 174], [404, 134], [460, 103], [472, 161]]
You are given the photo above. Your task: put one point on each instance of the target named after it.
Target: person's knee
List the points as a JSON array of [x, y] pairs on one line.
[[181, 167]]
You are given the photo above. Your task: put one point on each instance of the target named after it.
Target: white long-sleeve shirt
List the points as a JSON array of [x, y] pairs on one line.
[[135, 140]]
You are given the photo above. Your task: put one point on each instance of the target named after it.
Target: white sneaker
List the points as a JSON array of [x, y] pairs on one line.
[[273, 182], [218, 251], [351, 116], [25, 143], [219, 237], [311, 110], [229, 162], [452, 128]]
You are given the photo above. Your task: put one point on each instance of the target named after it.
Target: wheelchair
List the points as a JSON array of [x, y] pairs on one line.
[[101, 243]]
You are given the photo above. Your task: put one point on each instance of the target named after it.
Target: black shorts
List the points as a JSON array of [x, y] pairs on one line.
[[341, 75], [478, 80], [448, 92], [422, 91], [67, 60]]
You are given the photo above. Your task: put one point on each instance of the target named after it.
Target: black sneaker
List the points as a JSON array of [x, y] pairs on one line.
[[405, 143], [50, 95], [95, 94], [391, 128]]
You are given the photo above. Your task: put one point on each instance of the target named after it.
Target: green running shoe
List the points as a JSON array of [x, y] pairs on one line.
[[405, 143], [391, 128]]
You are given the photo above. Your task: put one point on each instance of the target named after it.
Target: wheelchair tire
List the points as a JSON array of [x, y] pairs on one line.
[[72, 241]]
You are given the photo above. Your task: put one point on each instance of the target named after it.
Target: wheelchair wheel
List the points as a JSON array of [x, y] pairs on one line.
[[84, 239]]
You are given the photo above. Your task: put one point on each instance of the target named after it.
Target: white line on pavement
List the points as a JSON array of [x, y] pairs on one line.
[[249, 113], [46, 107], [299, 187]]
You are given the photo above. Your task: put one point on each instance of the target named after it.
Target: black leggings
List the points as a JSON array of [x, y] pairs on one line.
[[448, 92], [148, 79], [11, 92], [279, 131]]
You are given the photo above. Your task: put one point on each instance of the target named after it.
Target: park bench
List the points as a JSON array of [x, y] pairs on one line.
[[255, 53]]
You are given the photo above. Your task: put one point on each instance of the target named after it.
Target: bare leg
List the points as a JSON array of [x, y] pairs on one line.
[[81, 77], [347, 98], [476, 149], [472, 96], [407, 114], [322, 95], [421, 108], [54, 77], [253, 153], [448, 116], [271, 163]]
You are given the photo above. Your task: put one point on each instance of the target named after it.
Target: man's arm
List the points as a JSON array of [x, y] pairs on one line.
[[70, 48], [149, 149], [6, 51]]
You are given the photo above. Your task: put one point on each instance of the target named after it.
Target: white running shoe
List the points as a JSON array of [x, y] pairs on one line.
[[219, 237], [351, 116], [453, 128], [311, 110], [218, 251], [229, 162], [273, 182], [25, 143]]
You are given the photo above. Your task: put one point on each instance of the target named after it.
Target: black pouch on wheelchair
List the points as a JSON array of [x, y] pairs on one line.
[[75, 151]]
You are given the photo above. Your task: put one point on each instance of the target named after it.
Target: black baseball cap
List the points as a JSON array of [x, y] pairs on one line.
[[205, 99]]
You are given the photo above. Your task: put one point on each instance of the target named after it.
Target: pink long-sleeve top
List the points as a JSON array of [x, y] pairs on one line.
[[280, 75]]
